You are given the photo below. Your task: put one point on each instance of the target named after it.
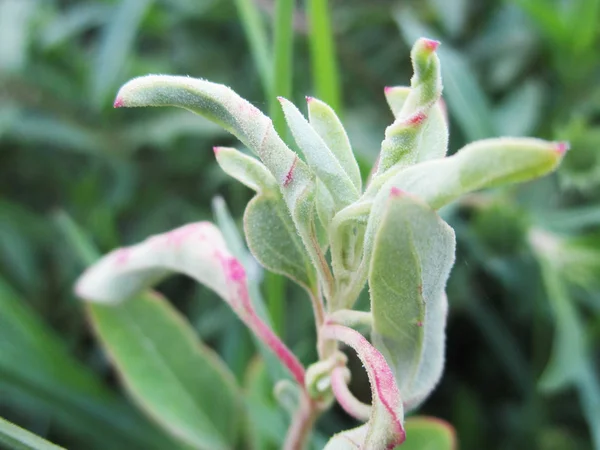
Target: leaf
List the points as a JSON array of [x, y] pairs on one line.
[[19, 439], [48, 379], [329, 127], [434, 140], [255, 31], [413, 253], [402, 137], [274, 242], [269, 229], [325, 70], [246, 170], [221, 105], [428, 433], [177, 380], [115, 46], [319, 157], [197, 250], [385, 427], [482, 164], [15, 32], [465, 97], [570, 362], [520, 112]]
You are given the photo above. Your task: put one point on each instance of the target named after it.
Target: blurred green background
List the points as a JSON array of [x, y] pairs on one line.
[[524, 327]]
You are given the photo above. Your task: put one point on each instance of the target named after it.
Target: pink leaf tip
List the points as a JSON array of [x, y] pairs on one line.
[[309, 99], [387, 89], [562, 147], [216, 150], [431, 44], [395, 192], [118, 102]]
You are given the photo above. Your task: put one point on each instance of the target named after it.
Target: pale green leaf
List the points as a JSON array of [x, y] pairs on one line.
[[246, 169], [171, 375], [348, 440], [434, 140], [269, 228], [327, 125], [50, 380], [428, 433], [221, 105], [319, 157], [274, 242], [412, 256], [17, 438], [482, 164], [521, 110], [466, 99], [401, 143], [197, 250]]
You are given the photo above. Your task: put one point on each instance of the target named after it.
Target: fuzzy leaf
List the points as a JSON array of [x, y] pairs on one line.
[[428, 433], [274, 242], [349, 440], [402, 137], [434, 140], [385, 427], [197, 250], [223, 106], [327, 125], [319, 157], [482, 164], [413, 253], [246, 169], [270, 231], [178, 381]]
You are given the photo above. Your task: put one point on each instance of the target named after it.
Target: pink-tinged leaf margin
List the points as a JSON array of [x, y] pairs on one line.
[[197, 250], [386, 427]]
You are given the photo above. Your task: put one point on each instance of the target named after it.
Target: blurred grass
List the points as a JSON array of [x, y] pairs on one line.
[[519, 67]]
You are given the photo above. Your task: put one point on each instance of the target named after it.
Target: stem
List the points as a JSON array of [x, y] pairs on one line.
[[345, 398], [302, 423]]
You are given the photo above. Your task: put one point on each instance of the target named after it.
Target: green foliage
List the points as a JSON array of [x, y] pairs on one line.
[[510, 67]]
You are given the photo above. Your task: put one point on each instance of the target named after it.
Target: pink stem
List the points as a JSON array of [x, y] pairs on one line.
[[345, 398], [302, 424]]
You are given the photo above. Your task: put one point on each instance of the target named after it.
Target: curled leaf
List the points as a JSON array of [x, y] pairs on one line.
[[197, 250], [401, 143], [385, 428], [434, 140]]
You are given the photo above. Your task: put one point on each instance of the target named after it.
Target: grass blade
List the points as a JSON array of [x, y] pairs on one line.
[[322, 48], [19, 439]]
